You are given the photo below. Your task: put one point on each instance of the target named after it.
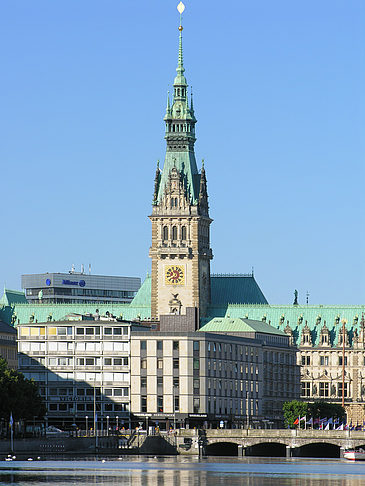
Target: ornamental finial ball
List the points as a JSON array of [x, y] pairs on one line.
[[180, 28]]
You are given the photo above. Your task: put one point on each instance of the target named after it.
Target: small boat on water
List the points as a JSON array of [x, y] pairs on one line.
[[354, 454]]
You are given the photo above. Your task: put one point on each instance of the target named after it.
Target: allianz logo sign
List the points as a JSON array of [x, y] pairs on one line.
[[81, 283]]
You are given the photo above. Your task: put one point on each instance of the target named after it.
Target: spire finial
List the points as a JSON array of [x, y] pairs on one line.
[[180, 8]]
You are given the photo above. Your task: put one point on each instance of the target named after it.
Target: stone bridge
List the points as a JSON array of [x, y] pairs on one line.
[[270, 442]]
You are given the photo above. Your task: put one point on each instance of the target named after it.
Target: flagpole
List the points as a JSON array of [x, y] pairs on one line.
[[11, 432]]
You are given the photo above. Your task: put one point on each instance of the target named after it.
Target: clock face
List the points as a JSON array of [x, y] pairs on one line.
[[174, 275]]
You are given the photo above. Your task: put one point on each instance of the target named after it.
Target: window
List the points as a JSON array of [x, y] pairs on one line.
[[107, 361], [143, 364], [196, 364], [118, 361], [160, 364], [183, 232], [174, 233], [143, 382], [90, 331], [177, 404], [176, 364], [339, 390], [159, 404], [340, 360], [196, 345], [176, 382], [89, 361], [79, 331], [117, 331], [108, 407], [323, 360], [159, 345], [165, 233], [323, 389], [108, 392], [196, 405], [306, 389], [108, 331], [175, 346], [143, 345], [160, 381]]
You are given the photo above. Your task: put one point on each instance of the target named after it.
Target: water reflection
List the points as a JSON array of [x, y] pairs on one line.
[[183, 471]]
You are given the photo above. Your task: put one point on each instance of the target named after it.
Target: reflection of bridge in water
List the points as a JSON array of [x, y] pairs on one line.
[[269, 443]]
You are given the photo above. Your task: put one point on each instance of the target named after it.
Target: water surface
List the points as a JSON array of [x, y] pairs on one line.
[[182, 471]]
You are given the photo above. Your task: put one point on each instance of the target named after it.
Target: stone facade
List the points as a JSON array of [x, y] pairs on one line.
[[180, 249]]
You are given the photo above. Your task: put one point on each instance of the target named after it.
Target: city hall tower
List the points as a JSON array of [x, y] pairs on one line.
[[180, 249]]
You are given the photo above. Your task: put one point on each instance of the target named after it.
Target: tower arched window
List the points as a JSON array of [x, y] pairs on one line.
[[165, 233], [175, 202], [178, 91], [183, 233], [174, 233]]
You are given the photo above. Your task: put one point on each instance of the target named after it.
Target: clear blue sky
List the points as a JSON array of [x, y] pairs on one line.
[[279, 97]]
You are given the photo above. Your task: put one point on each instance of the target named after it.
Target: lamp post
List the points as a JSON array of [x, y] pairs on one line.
[[87, 425], [107, 425], [117, 419], [173, 404], [248, 409]]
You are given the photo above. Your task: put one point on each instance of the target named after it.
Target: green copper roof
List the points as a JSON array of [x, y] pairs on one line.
[[180, 137], [143, 296], [11, 297], [227, 324], [235, 289]]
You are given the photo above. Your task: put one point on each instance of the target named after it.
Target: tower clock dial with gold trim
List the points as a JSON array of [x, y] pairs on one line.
[[174, 275]]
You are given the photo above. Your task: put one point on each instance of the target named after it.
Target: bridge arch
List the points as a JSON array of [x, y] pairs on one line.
[[317, 449], [267, 449], [221, 449]]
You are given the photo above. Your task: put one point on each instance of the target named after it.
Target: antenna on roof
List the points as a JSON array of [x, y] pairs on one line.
[[89, 268], [252, 271], [73, 268], [307, 297], [82, 269]]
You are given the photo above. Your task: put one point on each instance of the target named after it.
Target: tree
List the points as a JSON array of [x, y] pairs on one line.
[[18, 395], [322, 409], [292, 410]]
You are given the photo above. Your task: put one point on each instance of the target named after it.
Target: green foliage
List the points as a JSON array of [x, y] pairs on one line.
[[321, 409], [18, 395], [292, 410]]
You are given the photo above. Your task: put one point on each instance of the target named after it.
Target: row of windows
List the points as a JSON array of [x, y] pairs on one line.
[[325, 360], [50, 291], [160, 404], [87, 407], [69, 331], [175, 364], [325, 389], [65, 361], [93, 346], [237, 407], [160, 381], [234, 351], [172, 232]]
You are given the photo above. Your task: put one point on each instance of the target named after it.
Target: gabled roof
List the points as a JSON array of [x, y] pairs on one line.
[[227, 324], [235, 289], [11, 297], [143, 296]]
